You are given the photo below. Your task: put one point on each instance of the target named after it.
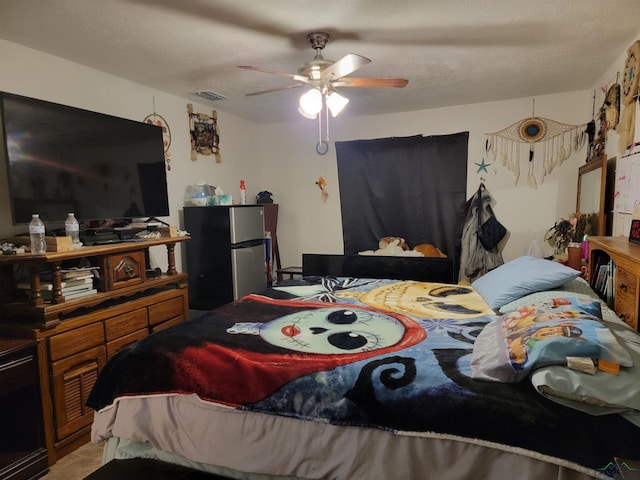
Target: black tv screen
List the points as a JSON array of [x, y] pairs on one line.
[[63, 159]]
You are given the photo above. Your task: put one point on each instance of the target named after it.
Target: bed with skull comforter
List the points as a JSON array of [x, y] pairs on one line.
[[343, 378]]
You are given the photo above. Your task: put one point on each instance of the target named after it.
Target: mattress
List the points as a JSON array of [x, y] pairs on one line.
[[401, 409]]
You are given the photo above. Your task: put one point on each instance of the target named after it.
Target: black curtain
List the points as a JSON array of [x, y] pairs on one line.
[[411, 187]]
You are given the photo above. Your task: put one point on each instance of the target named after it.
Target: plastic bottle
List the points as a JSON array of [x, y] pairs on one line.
[[243, 193], [36, 232], [72, 229], [585, 248]]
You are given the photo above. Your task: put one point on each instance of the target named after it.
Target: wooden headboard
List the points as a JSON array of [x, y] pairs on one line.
[[424, 269]]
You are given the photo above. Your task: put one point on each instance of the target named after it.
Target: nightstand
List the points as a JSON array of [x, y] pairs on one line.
[[23, 454]]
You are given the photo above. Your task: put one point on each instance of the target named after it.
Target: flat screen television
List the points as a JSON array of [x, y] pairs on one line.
[[64, 159]]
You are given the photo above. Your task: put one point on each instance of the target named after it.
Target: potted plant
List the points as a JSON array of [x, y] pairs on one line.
[[571, 230]]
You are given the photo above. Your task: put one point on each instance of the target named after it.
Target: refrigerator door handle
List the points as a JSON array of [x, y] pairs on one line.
[[248, 243]]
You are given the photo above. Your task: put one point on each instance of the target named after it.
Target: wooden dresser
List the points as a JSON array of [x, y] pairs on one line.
[[75, 338], [626, 281]]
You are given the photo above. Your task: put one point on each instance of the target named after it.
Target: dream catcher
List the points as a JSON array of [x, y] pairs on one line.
[[629, 96], [609, 116], [158, 120], [557, 142], [611, 107]]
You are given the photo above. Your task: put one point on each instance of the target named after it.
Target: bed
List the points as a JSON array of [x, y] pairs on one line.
[[284, 385]]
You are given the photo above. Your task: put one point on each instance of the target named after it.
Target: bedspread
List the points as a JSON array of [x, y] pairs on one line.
[[382, 354]]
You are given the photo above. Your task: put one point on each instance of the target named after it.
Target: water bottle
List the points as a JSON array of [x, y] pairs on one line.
[[72, 229], [36, 232]]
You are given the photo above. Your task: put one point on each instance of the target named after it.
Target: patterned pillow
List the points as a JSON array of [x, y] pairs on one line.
[[576, 287], [548, 297], [601, 393], [536, 335]]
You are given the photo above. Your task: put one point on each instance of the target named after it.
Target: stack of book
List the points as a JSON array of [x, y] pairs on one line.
[[76, 283], [605, 272]]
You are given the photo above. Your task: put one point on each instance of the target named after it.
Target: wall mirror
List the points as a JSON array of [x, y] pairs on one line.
[[595, 192]]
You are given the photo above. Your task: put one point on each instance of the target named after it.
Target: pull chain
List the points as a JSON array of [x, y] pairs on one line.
[[322, 147]]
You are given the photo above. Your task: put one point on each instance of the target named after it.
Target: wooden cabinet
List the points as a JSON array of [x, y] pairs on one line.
[[22, 448], [75, 338], [121, 270], [626, 281], [71, 380]]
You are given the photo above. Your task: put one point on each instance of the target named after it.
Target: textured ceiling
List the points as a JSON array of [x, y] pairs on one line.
[[453, 52]]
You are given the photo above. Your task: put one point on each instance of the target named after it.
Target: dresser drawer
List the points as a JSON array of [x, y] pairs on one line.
[[166, 310], [121, 270], [126, 323], [626, 297], [167, 324], [627, 310], [625, 284], [118, 344], [75, 341]]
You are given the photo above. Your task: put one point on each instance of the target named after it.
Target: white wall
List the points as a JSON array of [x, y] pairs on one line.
[[35, 74], [291, 168], [281, 158]]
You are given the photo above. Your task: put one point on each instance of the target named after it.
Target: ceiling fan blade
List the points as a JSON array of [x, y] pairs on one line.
[[346, 65], [277, 89], [293, 76], [371, 82]]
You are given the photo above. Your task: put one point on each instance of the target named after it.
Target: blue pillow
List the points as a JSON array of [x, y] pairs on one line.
[[520, 277], [533, 336]]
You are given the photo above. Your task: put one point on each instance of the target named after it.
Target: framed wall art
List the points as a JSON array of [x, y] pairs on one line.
[[205, 134]]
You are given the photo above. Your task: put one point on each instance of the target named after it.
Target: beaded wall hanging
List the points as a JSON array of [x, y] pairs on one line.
[[556, 142]]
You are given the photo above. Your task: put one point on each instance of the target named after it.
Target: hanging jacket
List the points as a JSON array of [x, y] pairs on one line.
[[475, 260]]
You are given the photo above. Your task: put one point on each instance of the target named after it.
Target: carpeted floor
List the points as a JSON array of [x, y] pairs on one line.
[[78, 464]]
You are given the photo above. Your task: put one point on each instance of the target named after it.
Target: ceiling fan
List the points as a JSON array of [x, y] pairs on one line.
[[322, 77], [325, 75]]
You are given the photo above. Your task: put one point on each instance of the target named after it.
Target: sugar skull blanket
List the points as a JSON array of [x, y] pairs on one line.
[[391, 355]]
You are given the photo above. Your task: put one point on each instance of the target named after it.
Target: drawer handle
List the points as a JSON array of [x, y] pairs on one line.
[[622, 286], [129, 269]]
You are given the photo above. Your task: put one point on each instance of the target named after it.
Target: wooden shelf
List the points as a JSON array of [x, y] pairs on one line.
[[626, 286], [90, 251], [13, 304], [75, 338]]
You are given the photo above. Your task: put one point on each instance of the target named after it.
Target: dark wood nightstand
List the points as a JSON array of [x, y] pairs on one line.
[[23, 454]]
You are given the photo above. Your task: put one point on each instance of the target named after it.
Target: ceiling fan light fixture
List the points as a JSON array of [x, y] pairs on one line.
[[321, 77], [311, 103], [310, 116], [336, 103]]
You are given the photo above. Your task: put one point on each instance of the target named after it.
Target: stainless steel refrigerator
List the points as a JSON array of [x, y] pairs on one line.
[[226, 253]]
